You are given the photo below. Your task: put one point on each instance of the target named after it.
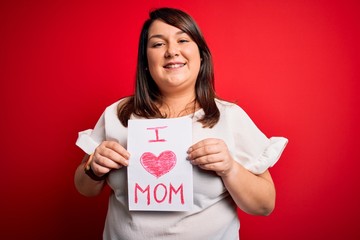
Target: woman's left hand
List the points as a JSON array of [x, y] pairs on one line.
[[211, 154]]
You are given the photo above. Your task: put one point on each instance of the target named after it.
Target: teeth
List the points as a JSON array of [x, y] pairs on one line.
[[175, 65]]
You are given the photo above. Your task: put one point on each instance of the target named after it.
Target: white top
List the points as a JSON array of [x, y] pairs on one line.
[[214, 213]]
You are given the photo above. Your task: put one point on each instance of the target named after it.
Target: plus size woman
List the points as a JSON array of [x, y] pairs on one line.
[[231, 157]]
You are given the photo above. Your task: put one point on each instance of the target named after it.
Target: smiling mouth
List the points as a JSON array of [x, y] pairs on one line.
[[176, 65]]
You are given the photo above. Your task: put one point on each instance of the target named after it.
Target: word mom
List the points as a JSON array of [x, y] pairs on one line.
[[160, 193]]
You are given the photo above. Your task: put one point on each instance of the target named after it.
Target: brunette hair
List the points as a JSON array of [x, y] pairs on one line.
[[147, 94]]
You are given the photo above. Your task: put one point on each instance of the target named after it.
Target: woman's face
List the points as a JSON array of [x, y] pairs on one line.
[[173, 58]]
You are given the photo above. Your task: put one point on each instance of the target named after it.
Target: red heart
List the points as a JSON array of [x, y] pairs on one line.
[[160, 165]]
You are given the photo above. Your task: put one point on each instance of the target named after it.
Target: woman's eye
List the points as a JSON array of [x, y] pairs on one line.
[[157, 45], [184, 41]]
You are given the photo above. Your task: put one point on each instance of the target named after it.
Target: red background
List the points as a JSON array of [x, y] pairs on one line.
[[292, 65]]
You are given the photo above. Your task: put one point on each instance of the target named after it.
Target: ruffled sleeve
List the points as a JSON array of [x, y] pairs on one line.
[[269, 156], [89, 139], [108, 127], [253, 149]]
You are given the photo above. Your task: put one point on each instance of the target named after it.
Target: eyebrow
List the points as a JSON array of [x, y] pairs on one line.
[[162, 36]]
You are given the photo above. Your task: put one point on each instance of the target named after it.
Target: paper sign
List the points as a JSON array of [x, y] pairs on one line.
[[159, 176]]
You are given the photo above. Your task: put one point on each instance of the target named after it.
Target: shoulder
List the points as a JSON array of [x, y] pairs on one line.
[[226, 107], [220, 103], [232, 114], [116, 105]]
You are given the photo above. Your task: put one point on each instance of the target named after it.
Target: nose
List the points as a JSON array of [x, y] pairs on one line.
[[172, 50]]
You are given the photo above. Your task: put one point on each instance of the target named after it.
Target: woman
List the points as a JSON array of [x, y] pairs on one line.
[[231, 156]]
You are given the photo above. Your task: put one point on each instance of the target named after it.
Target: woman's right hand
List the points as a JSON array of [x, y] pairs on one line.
[[107, 156]]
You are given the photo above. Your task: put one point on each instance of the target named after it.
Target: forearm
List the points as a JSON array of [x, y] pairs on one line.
[[85, 185], [254, 194]]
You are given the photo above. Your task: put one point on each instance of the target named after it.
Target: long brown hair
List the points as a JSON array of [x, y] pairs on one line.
[[147, 93]]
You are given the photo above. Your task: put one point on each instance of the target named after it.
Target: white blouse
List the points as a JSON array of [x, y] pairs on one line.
[[214, 213]]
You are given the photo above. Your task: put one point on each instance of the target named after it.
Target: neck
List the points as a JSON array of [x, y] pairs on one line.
[[177, 106]]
